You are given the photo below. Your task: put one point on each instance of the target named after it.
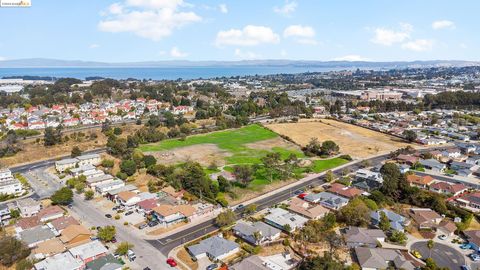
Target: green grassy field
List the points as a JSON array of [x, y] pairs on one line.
[[327, 164], [232, 141]]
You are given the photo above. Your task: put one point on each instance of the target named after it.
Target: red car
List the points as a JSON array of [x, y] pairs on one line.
[[171, 262], [301, 196]]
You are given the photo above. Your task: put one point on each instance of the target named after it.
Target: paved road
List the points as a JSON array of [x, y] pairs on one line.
[[166, 244], [147, 255], [443, 255]]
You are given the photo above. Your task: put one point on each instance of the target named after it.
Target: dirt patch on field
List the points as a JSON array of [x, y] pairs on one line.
[[271, 143], [205, 154], [353, 140]]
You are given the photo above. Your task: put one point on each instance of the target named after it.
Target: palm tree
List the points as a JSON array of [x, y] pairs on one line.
[[430, 245]]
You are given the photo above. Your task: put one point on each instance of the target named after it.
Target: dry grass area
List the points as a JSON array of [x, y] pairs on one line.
[[272, 143], [205, 154], [33, 151], [141, 180], [474, 225], [353, 140], [183, 255], [273, 249]]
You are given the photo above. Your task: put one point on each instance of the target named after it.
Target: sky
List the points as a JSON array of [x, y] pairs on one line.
[[156, 30]]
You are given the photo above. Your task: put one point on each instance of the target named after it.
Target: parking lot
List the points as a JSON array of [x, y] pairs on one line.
[[42, 182]]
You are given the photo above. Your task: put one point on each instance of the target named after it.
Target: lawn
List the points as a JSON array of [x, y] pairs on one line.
[[327, 164], [231, 140]]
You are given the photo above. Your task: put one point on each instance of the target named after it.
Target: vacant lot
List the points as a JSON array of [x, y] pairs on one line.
[[353, 140], [236, 146]]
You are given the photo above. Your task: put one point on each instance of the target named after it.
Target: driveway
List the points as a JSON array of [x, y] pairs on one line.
[[442, 254]]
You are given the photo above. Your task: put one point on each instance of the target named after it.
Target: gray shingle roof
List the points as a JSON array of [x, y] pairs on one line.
[[36, 234], [214, 246]]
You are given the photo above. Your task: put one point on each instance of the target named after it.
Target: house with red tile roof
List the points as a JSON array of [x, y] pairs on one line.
[[344, 191], [407, 159], [420, 181], [447, 188]]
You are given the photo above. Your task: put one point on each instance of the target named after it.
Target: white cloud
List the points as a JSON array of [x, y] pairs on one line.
[[287, 9], [2, 58], [152, 19], [93, 46], [463, 45], [299, 31], [176, 53], [250, 35], [283, 53], [246, 54], [351, 58], [418, 45], [301, 34], [115, 8], [443, 24], [387, 37], [155, 4], [223, 8]]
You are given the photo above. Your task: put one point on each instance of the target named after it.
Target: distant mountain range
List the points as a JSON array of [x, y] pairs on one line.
[[56, 63]]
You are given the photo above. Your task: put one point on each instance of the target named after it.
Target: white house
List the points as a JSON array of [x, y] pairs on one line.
[[280, 218], [65, 164], [92, 159], [104, 188], [8, 184]]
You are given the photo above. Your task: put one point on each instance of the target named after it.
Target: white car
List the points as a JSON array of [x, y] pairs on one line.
[[475, 257], [442, 237]]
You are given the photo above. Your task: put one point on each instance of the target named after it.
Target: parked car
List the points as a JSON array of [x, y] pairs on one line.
[[239, 207], [171, 262], [465, 267], [128, 213], [416, 254], [302, 195], [115, 208], [298, 192], [212, 266], [152, 223], [442, 237], [114, 240], [465, 246], [108, 216], [475, 257], [143, 226], [131, 255], [93, 238]]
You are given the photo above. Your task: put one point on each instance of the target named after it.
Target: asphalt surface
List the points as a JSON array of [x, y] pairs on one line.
[[166, 244], [42, 182], [147, 256], [443, 255]]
